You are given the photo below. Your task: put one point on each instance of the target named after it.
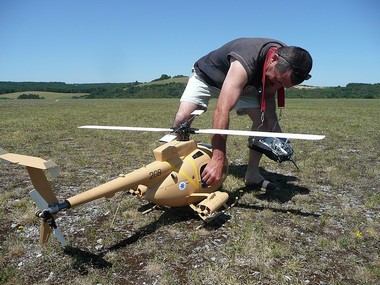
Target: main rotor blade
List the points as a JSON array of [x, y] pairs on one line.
[[213, 131], [260, 134], [126, 128]]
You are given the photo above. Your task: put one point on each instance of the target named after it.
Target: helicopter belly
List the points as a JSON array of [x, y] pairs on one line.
[[168, 194]]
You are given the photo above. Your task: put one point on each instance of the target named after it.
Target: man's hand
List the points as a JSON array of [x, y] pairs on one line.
[[213, 172]]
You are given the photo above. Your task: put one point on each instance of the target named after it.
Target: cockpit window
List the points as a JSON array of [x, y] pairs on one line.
[[197, 154]]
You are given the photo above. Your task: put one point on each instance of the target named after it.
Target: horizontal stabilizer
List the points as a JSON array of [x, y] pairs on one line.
[[30, 161]]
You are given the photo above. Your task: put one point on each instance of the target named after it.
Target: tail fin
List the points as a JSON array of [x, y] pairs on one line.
[[36, 168]]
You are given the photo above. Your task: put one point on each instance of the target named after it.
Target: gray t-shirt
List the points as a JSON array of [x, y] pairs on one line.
[[250, 52]]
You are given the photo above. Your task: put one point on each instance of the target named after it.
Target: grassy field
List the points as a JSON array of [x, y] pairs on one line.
[[323, 227]]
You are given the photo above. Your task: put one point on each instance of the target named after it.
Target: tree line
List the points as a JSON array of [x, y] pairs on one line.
[[158, 89], [351, 90]]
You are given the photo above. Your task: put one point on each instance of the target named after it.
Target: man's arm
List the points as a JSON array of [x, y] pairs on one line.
[[234, 83]]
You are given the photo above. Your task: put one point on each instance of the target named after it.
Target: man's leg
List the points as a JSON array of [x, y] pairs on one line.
[[195, 97], [252, 175], [184, 113]]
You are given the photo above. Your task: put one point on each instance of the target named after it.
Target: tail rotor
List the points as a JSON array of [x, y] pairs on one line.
[[48, 224], [43, 194]]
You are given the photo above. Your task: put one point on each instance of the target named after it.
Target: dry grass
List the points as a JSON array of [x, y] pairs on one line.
[[322, 228]]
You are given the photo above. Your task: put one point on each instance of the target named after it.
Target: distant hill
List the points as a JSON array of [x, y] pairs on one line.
[[42, 94], [164, 87], [181, 80]]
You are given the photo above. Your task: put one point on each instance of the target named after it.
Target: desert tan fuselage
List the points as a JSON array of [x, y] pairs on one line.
[[173, 180]]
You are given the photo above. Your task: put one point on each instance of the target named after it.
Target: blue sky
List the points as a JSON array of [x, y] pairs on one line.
[[84, 41]]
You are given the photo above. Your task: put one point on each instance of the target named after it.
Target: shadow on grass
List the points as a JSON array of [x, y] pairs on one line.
[[169, 216], [287, 188], [84, 259], [277, 210], [287, 191]]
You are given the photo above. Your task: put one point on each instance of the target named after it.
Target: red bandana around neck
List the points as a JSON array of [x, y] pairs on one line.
[[280, 92]]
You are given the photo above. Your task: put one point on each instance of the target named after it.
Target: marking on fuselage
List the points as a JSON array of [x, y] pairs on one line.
[[182, 186]]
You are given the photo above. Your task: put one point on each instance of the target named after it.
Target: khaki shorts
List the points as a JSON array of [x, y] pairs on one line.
[[199, 93]]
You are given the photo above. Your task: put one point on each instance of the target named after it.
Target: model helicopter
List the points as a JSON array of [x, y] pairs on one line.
[[172, 180]]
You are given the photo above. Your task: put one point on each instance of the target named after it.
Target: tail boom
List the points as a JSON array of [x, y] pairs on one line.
[[148, 175]]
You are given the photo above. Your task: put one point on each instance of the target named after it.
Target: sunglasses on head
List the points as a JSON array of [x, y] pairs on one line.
[[298, 74]]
